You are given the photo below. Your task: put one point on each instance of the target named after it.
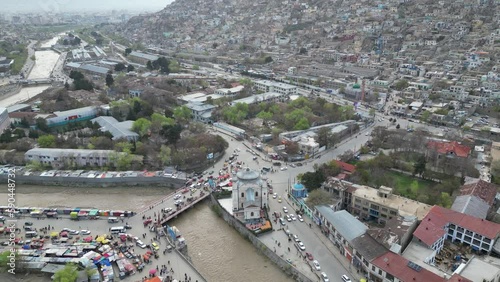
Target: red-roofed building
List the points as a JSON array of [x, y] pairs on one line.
[[393, 267], [452, 148], [441, 223], [458, 278], [345, 167]]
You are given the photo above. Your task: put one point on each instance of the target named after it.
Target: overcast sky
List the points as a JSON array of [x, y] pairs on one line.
[[81, 5]]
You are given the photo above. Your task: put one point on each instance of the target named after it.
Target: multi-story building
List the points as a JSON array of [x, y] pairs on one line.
[[278, 87], [441, 224], [201, 112], [265, 97], [230, 91], [476, 198], [58, 158], [381, 205], [142, 58]]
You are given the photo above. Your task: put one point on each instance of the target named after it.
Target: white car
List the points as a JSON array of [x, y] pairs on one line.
[[85, 232], [296, 238], [74, 232], [177, 197], [301, 246], [275, 195], [283, 168], [316, 265], [324, 277], [288, 218], [299, 217], [292, 216], [140, 244], [285, 210]]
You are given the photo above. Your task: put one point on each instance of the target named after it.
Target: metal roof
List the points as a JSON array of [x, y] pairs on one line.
[[144, 56], [116, 128], [95, 69], [471, 205], [346, 224]]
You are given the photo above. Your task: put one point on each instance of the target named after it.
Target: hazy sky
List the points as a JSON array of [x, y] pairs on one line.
[[81, 5]]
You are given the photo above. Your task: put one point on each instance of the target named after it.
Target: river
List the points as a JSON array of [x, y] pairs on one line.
[[216, 249], [45, 62]]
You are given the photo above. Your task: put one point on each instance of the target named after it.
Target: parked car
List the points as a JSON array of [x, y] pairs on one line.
[[324, 277], [275, 195], [85, 232], [345, 278], [285, 210], [316, 265], [309, 256], [301, 246], [299, 217], [296, 238]]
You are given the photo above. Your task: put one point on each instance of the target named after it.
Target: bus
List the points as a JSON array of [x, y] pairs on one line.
[[117, 230]]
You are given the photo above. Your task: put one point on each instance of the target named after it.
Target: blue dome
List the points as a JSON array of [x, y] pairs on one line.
[[298, 186]]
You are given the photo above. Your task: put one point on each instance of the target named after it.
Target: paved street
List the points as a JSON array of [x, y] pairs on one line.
[[315, 242]]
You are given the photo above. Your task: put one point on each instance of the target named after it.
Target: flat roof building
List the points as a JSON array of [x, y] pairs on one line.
[[71, 158], [278, 87], [381, 205], [119, 130]]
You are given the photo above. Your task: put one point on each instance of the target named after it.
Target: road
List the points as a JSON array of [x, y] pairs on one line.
[[309, 236]]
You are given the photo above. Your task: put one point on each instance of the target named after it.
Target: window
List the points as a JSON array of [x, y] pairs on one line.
[[242, 195], [251, 214], [393, 212], [256, 194]]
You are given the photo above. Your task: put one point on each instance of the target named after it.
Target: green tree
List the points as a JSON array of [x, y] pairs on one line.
[[165, 155], [182, 114], [445, 200], [425, 116], [128, 51], [266, 116], [312, 180], [324, 136], [109, 80], [6, 136], [47, 141], [268, 59], [130, 68], [235, 114], [419, 166], [68, 274], [149, 65], [318, 197], [120, 67], [196, 67], [372, 112], [401, 84], [141, 126], [172, 133], [302, 124]]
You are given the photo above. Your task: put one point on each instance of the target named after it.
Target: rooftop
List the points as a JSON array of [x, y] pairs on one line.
[[405, 206], [450, 147], [421, 254], [276, 84], [394, 229], [480, 270], [257, 98], [433, 225], [471, 205], [144, 56], [94, 69], [346, 224], [405, 270], [368, 247], [346, 167], [74, 152], [481, 189], [116, 128]]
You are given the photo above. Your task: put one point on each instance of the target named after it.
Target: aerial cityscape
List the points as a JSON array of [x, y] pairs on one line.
[[225, 140]]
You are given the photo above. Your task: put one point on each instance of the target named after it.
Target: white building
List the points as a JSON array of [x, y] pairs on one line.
[[264, 97], [249, 196], [119, 130], [230, 91], [201, 112], [58, 158], [278, 87], [80, 114]]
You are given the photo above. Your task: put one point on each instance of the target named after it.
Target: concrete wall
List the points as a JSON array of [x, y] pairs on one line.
[[96, 182], [269, 253]]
